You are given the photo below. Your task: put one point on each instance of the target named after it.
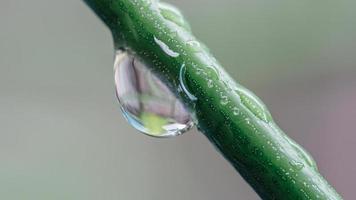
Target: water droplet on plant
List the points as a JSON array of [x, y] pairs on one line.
[[212, 72], [183, 84], [303, 153], [172, 14], [236, 111], [195, 45], [166, 48], [224, 99], [146, 102], [297, 165], [254, 104]]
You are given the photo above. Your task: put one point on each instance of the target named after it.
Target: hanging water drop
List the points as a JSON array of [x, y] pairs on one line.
[[146, 102]]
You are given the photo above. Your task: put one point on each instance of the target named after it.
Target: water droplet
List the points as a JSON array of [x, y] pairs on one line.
[[195, 45], [236, 111], [166, 48], [172, 14], [183, 84], [247, 120], [296, 165], [304, 154], [146, 102], [212, 72], [224, 99], [254, 104]]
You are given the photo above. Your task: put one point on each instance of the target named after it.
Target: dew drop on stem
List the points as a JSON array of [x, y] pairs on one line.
[[146, 102]]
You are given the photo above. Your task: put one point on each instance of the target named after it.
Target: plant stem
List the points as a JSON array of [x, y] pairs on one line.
[[231, 116]]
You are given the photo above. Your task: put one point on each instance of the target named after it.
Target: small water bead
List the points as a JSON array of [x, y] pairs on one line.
[[172, 14], [183, 84], [224, 99], [303, 153], [212, 72], [247, 120], [296, 165], [195, 45], [166, 48], [236, 111], [254, 104], [228, 82], [146, 102]]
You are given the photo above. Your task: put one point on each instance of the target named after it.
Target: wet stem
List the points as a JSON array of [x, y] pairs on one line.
[[229, 115]]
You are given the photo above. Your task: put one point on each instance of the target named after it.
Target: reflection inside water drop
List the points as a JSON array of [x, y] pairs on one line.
[[147, 104]]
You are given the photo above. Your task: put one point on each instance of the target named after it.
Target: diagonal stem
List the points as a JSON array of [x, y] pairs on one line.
[[231, 117]]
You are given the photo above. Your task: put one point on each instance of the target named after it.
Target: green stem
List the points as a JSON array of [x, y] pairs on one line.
[[231, 117]]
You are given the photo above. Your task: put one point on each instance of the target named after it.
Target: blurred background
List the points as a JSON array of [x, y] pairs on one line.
[[62, 135]]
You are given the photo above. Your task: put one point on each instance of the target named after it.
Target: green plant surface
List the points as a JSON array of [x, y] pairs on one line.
[[231, 116]]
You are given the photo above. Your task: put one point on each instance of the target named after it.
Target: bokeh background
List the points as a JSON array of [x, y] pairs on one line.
[[62, 135]]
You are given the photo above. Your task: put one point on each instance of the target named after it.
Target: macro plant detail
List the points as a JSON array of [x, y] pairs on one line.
[[167, 81]]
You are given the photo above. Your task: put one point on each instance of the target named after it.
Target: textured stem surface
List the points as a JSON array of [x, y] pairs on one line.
[[231, 116]]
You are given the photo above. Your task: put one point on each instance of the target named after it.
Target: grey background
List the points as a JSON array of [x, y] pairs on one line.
[[62, 135]]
